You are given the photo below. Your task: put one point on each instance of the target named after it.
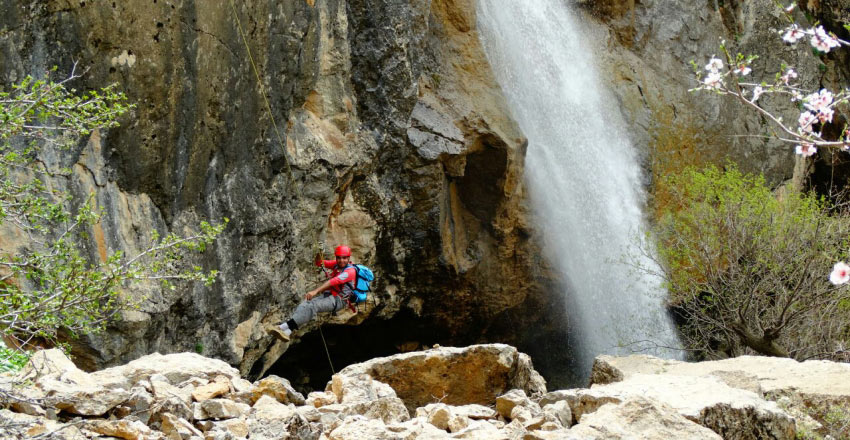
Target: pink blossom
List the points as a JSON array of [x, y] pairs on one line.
[[825, 115], [819, 101], [790, 7], [742, 70], [793, 34], [757, 91], [806, 120], [789, 75], [840, 273], [714, 80], [806, 149], [714, 65], [822, 41]]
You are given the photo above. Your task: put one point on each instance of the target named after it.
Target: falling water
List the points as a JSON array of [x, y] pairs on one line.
[[583, 176]]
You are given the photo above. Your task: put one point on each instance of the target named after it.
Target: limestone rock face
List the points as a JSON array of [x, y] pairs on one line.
[[644, 51], [386, 132]]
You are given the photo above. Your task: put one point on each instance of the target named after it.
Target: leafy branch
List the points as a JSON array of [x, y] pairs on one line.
[[51, 285]]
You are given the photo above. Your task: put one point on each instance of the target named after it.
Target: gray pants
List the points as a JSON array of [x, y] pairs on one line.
[[322, 303]]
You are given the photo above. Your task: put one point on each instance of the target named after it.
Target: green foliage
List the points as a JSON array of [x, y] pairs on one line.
[[11, 360], [746, 269], [51, 286], [834, 420]]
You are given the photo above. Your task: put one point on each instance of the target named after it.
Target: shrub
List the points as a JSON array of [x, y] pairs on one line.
[[745, 268]]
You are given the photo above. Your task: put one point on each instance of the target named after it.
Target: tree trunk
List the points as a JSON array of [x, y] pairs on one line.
[[762, 344]]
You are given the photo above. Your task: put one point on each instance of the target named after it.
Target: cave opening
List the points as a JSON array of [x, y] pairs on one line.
[[306, 364], [541, 332], [830, 176], [482, 186]]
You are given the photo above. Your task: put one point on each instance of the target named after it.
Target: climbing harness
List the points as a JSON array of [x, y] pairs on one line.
[[263, 92]]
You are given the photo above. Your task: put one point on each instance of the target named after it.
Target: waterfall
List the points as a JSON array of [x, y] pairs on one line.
[[583, 177]]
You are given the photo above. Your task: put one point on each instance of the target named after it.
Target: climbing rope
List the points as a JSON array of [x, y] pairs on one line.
[[279, 138], [326, 350], [321, 255], [263, 92]]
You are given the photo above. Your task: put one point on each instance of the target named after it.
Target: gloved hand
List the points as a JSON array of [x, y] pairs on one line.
[[318, 261]]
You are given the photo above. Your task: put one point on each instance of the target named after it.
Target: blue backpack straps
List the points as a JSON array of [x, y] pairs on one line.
[[362, 282]]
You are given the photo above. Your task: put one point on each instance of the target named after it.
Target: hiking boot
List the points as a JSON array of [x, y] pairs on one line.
[[279, 334]]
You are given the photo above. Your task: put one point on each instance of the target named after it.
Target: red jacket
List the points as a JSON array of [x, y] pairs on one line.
[[340, 277]]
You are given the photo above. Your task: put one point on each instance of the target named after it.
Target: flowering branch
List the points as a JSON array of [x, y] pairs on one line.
[[817, 108]]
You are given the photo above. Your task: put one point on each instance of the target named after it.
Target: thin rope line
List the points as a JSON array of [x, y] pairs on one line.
[[262, 91], [326, 350]]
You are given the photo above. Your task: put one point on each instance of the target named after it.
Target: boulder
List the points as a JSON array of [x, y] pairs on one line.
[[279, 388], [770, 375], [358, 388], [45, 362], [481, 430], [455, 376], [506, 403], [454, 418], [733, 413], [176, 428], [170, 399], [806, 389], [560, 412], [137, 405], [268, 408], [219, 409], [437, 414], [70, 389], [321, 398], [175, 367], [359, 427], [216, 388], [16, 425], [474, 412], [386, 409], [229, 429], [638, 417], [126, 429]]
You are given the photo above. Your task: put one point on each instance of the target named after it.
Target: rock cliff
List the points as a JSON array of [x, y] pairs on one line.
[[382, 128], [385, 131]]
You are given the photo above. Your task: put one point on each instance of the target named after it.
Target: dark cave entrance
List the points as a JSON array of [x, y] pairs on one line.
[[306, 364], [542, 333]]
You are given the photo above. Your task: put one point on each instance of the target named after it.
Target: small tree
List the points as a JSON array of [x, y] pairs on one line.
[[51, 285], [744, 268]]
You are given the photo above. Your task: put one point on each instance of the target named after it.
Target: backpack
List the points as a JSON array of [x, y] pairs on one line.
[[362, 282]]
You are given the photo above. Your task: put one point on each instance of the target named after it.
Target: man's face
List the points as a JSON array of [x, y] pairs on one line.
[[342, 261]]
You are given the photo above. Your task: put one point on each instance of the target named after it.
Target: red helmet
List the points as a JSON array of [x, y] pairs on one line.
[[342, 251]]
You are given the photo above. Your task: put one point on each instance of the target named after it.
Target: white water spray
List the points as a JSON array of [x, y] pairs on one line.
[[583, 176]]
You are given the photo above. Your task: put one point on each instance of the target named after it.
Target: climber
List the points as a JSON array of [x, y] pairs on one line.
[[335, 293]]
